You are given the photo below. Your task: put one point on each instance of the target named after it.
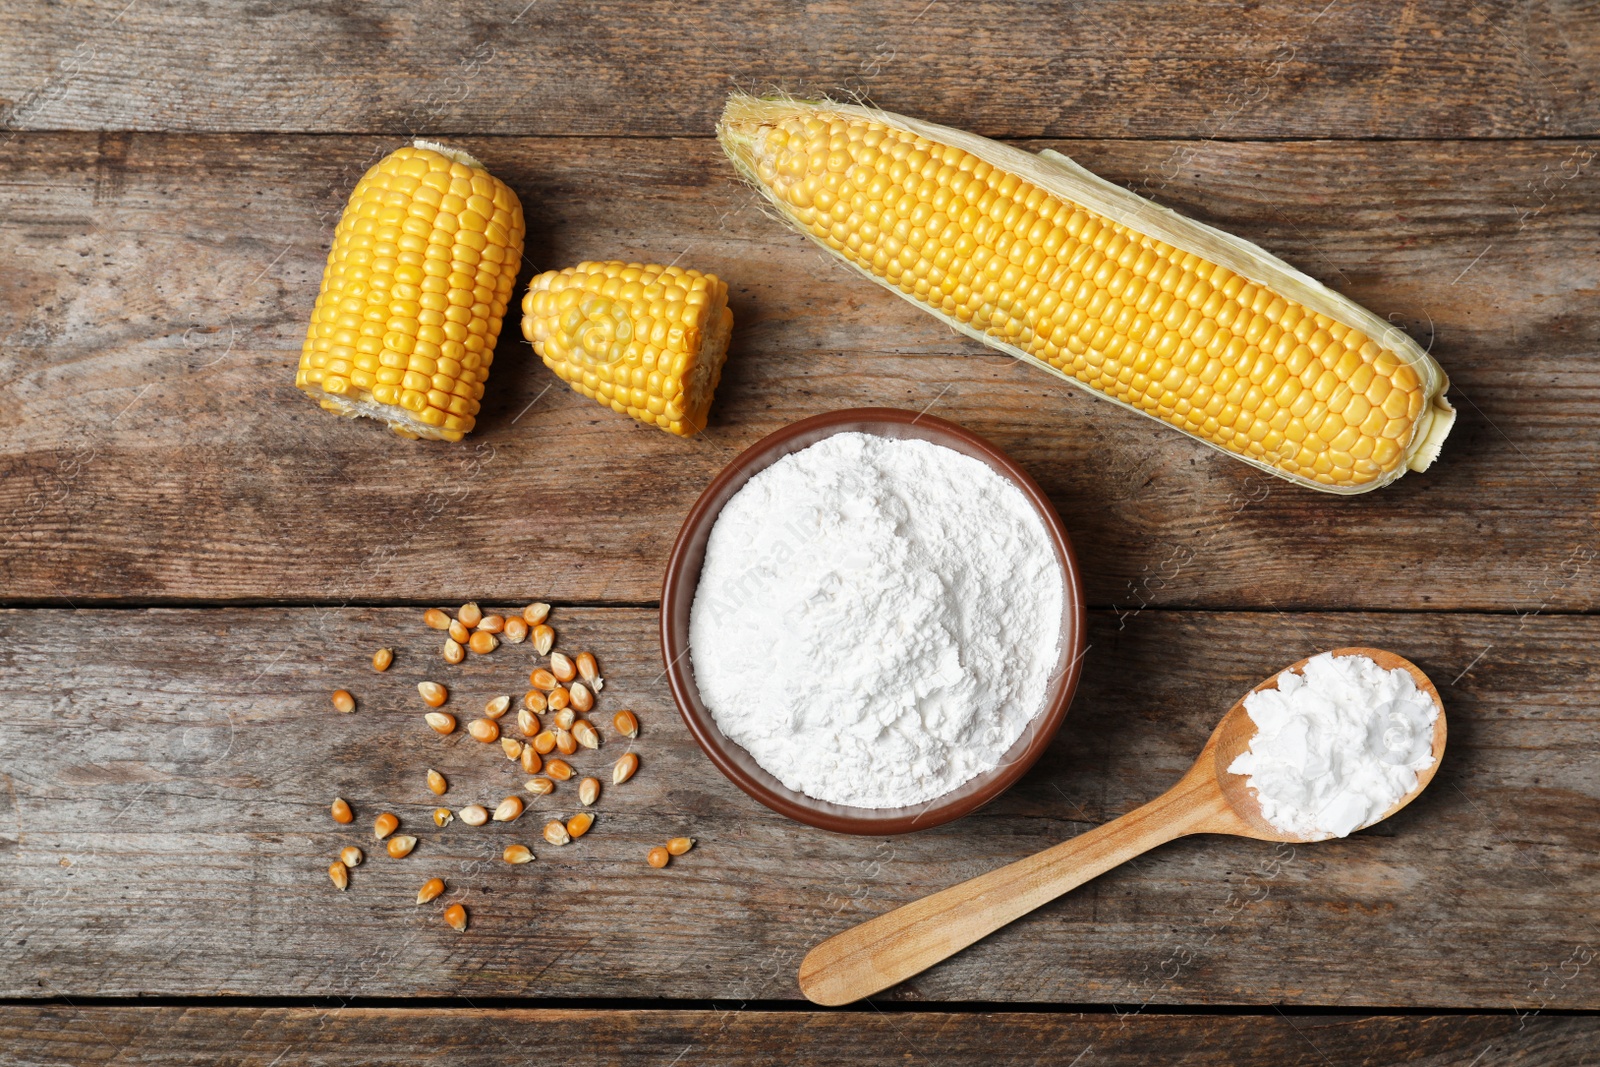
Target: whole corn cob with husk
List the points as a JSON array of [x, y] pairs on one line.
[[422, 269], [644, 340], [1037, 257]]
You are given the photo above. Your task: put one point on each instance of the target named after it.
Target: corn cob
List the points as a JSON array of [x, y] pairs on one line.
[[643, 340], [422, 269], [1037, 257]]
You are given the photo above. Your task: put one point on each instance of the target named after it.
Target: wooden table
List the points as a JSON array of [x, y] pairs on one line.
[[194, 556]]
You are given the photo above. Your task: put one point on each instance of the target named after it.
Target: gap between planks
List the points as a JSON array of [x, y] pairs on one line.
[[223, 604], [797, 1007], [1019, 142]]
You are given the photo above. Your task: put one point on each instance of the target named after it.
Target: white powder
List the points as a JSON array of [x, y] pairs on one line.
[[1337, 745], [877, 620]]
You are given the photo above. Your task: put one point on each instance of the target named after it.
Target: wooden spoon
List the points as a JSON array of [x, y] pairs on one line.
[[1207, 800]]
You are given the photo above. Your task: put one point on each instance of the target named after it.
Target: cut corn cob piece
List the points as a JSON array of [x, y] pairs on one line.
[[423, 266], [643, 340], [1039, 258]]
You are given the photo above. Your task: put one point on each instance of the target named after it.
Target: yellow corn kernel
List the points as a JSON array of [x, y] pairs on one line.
[[426, 232], [1035, 256], [643, 340]]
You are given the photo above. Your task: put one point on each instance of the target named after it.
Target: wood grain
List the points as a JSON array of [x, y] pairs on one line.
[[152, 445], [165, 777], [287, 1037], [1361, 68], [165, 772]]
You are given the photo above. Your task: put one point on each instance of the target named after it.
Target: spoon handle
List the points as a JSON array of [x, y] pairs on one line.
[[880, 952]]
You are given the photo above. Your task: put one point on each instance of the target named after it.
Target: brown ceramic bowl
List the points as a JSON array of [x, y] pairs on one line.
[[683, 578]]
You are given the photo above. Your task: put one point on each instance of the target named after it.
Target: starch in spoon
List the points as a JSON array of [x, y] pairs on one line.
[[1336, 745]]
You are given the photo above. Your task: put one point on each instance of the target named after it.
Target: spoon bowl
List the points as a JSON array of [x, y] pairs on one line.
[[1234, 733], [1208, 799]]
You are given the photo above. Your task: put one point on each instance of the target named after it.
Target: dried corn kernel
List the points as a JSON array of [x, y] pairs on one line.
[[531, 761], [585, 734], [588, 791], [544, 639], [589, 671], [508, 809], [528, 722]]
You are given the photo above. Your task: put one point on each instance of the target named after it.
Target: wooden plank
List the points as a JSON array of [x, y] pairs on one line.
[[286, 1037], [1361, 68], [153, 444], [165, 779]]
